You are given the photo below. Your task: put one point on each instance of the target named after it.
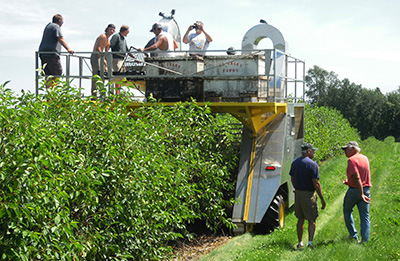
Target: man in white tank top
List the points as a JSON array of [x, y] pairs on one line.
[[165, 44]]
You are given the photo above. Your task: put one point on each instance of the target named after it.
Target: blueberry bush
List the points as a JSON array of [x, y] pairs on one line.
[[82, 179]]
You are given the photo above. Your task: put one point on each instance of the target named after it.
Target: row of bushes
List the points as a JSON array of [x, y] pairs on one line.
[[326, 129], [84, 180]]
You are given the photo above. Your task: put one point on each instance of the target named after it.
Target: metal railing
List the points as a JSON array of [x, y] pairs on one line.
[[283, 73]]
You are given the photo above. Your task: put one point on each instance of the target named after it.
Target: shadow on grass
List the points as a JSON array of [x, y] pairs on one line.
[[291, 246]]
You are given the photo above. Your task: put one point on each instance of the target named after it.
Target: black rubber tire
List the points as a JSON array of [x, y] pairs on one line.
[[274, 217]]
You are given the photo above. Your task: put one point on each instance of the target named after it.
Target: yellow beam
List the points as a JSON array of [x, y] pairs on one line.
[[253, 115], [250, 180]]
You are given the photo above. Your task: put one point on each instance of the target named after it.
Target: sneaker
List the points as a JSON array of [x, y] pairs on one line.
[[353, 238], [310, 245], [300, 245]]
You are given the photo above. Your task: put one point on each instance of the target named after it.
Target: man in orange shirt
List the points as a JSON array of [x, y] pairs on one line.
[[358, 193]]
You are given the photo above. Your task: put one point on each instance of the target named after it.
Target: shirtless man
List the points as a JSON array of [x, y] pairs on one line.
[[164, 42], [102, 44]]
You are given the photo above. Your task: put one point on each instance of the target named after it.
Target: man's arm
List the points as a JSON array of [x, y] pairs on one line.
[[359, 186], [113, 41], [155, 45], [318, 188], [185, 37], [291, 178], [64, 43], [209, 38]]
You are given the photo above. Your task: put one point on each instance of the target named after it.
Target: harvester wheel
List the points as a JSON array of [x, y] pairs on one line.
[[274, 217]]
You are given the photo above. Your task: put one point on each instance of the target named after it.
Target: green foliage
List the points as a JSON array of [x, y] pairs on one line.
[[326, 129], [370, 111], [83, 180]]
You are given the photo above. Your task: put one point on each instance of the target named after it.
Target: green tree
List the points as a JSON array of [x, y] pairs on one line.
[[392, 114], [320, 84], [370, 111]]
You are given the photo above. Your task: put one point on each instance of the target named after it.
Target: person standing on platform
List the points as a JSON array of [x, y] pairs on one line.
[[102, 44], [199, 40], [164, 42], [118, 44], [51, 43]]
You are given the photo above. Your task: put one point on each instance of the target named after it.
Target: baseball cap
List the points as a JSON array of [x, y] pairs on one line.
[[155, 26], [305, 146], [351, 144], [111, 26]]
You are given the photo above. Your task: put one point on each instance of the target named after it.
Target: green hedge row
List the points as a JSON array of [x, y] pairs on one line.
[[83, 180], [327, 130]]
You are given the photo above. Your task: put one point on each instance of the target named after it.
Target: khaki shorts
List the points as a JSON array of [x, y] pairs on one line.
[[117, 64], [305, 205]]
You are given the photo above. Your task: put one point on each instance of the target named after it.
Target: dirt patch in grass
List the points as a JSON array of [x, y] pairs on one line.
[[198, 246]]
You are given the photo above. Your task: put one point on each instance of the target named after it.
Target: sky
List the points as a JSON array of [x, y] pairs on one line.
[[358, 39]]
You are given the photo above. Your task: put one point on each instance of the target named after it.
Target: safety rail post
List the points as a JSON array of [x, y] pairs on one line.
[[275, 80], [109, 60], [109, 64], [101, 71], [102, 66], [266, 73], [286, 75], [37, 74], [68, 69], [295, 79], [80, 73]]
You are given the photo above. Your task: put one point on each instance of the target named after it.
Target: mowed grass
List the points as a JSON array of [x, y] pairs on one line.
[[330, 242]]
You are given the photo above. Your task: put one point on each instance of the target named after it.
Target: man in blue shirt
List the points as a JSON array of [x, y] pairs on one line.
[[304, 173]]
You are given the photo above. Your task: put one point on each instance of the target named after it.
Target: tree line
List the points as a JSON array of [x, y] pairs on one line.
[[368, 110]]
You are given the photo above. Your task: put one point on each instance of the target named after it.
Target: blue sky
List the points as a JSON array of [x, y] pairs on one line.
[[358, 39]]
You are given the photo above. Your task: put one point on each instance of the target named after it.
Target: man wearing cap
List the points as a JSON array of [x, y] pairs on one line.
[[199, 40], [164, 42], [304, 174], [358, 193], [102, 44]]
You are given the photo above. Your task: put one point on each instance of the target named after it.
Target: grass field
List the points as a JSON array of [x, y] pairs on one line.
[[330, 242]]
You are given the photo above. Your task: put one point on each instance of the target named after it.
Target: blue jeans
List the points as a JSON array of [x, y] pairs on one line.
[[351, 199]]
